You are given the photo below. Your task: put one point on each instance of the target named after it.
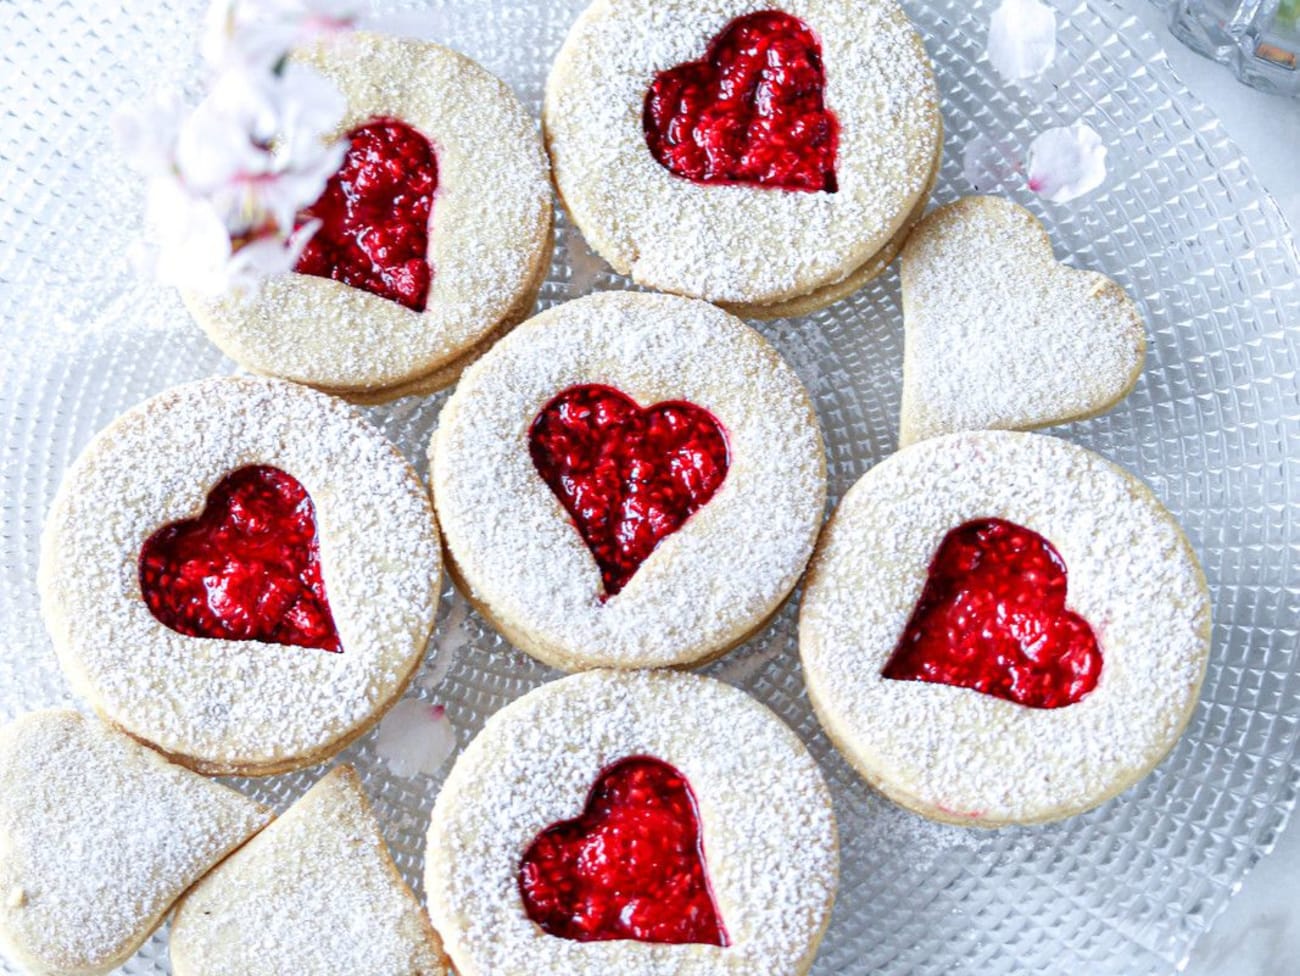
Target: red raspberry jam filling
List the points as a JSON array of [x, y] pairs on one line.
[[751, 111], [374, 215], [992, 617], [628, 476], [631, 867], [248, 568]]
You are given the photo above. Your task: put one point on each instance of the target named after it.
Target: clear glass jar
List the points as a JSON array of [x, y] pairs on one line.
[[1258, 39]]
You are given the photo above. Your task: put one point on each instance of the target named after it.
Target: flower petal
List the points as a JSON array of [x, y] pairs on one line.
[[1066, 163], [415, 738], [1022, 39]]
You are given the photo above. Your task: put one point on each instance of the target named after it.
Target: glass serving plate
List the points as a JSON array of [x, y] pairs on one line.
[[1212, 426]]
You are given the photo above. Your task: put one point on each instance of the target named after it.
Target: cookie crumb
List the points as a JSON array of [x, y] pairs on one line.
[[17, 897]]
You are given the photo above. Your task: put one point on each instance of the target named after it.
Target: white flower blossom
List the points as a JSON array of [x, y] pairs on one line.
[[1022, 39], [228, 179], [1066, 163]]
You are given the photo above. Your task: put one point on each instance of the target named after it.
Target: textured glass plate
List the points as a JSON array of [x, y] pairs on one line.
[[1212, 426]]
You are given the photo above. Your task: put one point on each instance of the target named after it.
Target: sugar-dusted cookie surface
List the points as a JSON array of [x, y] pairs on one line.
[[99, 836], [242, 572], [629, 480], [743, 886], [849, 83], [999, 335], [488, 234], [315, 894], [945, 667]]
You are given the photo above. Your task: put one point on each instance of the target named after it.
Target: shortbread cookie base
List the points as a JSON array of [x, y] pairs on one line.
[[317, 892], [516, 552], [491, 223], [99, 836], [954, 754], [447, 375], [240, 707], [738, 245], [767, 825], [562, 661], [999, 335], [877, 265]]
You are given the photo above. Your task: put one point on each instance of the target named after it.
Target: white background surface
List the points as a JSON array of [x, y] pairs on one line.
[[1259, 934]]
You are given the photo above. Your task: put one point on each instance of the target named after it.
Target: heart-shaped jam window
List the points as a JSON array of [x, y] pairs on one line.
[[248, 568], [992, 617], [751, 111], [374, 214], [628, 476], [630, 867]]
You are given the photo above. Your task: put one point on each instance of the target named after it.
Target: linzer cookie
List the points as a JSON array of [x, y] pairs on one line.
[[1003, 628], [769, 161], [717, 832], [998, 335], [315, 893], [242, 573], [629, 480], [99, 836], [435, 234]]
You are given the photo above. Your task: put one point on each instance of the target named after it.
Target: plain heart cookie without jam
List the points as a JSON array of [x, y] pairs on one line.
[[999, 335], [435, 233], [629, 480], [315, 894], [99, 836], [241, 572], [633, 822], [767, 160], [1003, 628]]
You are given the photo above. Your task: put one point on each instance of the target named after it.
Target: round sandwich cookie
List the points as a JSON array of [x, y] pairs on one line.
[[633, 822], [242, 573], [771, 161], [1003, 628], [629, 480], [435, 234]]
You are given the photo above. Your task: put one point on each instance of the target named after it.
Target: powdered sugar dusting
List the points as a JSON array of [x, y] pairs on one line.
[[233, 705], [98, 836], [1000, 335], [707, 584], [316, 892], [489, 229], [766, 822], [954, 752], [739, 244]]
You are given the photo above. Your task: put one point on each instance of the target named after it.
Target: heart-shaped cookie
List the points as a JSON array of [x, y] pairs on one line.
[[628, 476], [751, 111], [99, 836], [630, 867], [316, 892], [248, 568], [992, 617], [374, 215], [999, 335]]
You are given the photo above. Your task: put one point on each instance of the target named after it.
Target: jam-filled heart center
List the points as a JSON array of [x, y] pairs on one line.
[[248, 568], [628, 476], [992, 617], [751, 111], [374, 215], [630, 867]]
